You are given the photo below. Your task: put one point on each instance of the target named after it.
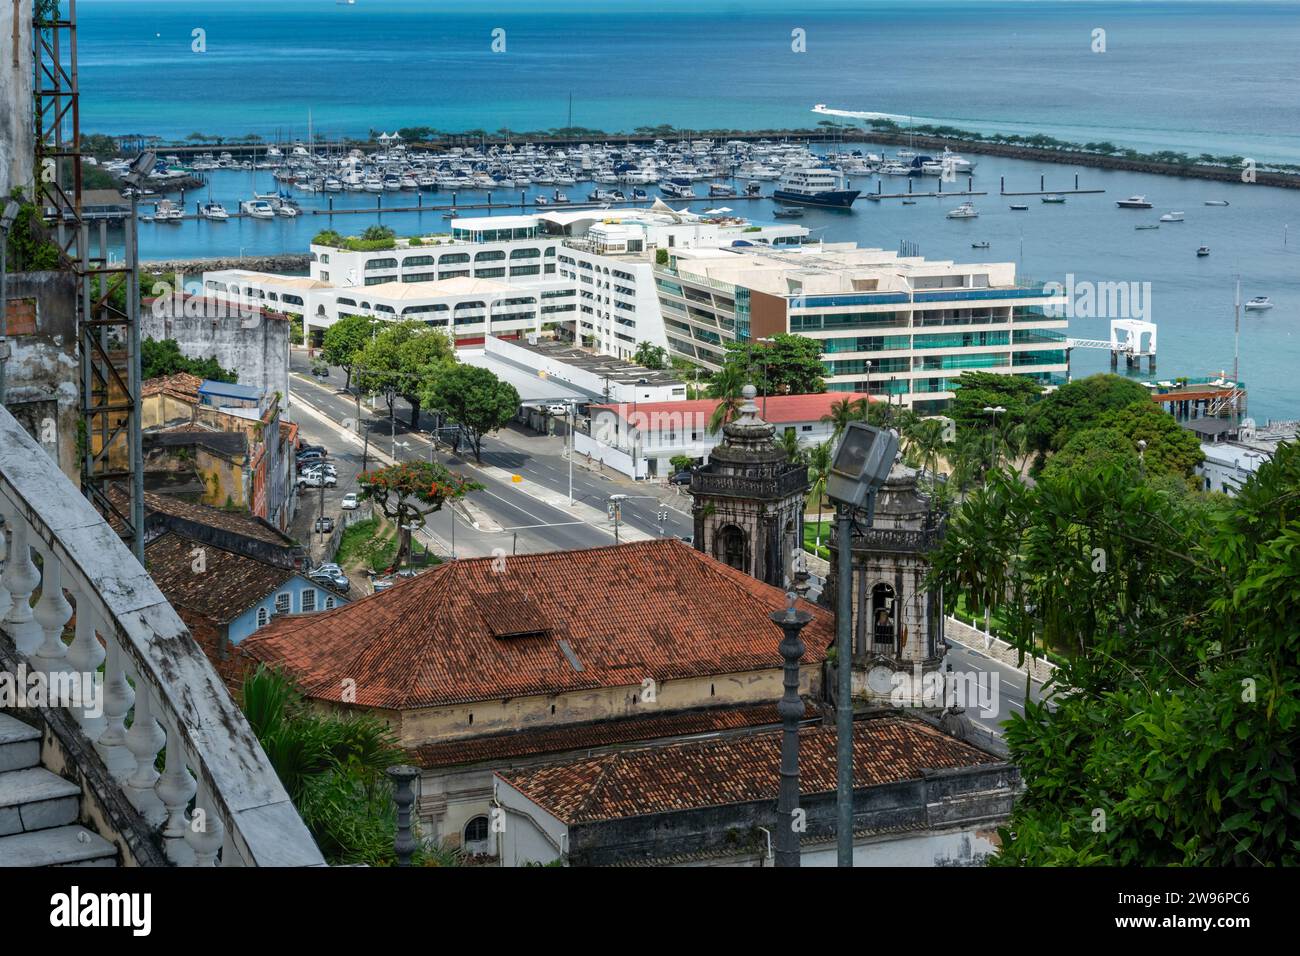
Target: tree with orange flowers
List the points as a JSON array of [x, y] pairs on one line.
[[410, 491]]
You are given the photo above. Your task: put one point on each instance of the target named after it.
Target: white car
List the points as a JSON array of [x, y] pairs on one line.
[[557, 410], [350, 502]]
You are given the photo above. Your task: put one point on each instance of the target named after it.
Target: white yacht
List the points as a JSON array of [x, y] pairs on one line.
[[965, 211], [214, 211], [333, 184], [815, 187], [1133, 202], [894, 169], [257, 209], [168, 211], [373, 184], [677, 188], [1259, 304], [1172, 217]]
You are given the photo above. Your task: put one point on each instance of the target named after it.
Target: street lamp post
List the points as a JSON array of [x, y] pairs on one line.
[[768, 342], [993, 436], [860, 468]]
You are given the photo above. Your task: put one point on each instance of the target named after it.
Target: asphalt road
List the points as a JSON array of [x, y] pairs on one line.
[[526, 524], [1010, 695]]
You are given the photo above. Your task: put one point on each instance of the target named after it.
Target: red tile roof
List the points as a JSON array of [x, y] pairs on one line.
[[182, 385], [781, 409], [602, 617], [740, 769], [228, 585], [605, 733]]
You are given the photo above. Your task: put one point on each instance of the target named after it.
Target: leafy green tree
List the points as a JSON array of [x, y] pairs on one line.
[[400, 361], [1170, 447], [474, 399], [681, 463], [409, 492], [1094, 449], [344, 339], [790, 365], [651, 356], [165, 358], [1176, 709], [979, 390], [1077, 405]]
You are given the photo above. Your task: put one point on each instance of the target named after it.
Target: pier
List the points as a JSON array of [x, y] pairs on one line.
[[880, 194], [1042, 189]]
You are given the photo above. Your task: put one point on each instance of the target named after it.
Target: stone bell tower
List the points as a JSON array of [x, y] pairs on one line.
[[898, 644], [749, 501]]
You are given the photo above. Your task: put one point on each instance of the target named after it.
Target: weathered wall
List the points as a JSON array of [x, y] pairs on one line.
[[525, 713], [43, 388], [256, 348], [16, 135]]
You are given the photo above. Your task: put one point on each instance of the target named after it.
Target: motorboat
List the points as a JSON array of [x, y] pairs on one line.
[[1054, 198], [333, 184], [721, 190], [815, 187], [678, 187], [1019, 207], [909, 202], [257, 209], [965, 211], [1133, 202], [1172, 217], [168, 211], [1216, 202], [979, 245], [894, 169], [1202, 252], [753, 189], [789, 212], [1259, 304], [1148, 225], [214, 211]]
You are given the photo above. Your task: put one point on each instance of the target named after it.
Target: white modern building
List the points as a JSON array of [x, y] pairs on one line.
[[1235, 452], [889, 324], [640, 439], [605, 256]]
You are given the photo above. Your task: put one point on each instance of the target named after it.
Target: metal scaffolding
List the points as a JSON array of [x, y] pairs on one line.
[[108, 298]]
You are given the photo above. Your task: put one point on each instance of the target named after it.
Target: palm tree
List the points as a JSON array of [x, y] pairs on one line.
[[819, 469], [726, 385], [924, 443], [332, 766], [844, 411], [795, 453]]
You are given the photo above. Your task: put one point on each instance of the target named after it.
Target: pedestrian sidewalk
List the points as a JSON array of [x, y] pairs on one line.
[[1039, 668]]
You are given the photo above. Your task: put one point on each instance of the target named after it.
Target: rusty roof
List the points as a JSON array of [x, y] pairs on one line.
[[225, 585], [604, 617], [739, 769]]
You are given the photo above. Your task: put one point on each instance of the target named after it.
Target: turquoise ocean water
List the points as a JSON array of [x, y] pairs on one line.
[[1200, 77]]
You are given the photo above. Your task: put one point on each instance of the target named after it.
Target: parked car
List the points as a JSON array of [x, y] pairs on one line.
[[306, 449], [555, 408], [350, 502], [318, 468], [310, 458], [317, 480], [337, 580], [324, 524], [681, 478]]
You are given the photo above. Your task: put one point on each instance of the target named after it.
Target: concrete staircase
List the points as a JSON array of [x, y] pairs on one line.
[[39, 809]]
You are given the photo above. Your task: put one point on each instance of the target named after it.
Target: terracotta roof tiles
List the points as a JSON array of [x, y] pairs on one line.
[[604, 617], [739, 769]]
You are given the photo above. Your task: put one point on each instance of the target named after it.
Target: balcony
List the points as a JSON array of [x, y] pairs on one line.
[[790, 481], [213, 799]]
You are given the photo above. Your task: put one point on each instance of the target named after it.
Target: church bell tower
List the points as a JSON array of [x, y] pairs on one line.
[[749, 500]]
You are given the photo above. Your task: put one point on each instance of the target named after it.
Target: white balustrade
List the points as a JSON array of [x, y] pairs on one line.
[[159, 692]]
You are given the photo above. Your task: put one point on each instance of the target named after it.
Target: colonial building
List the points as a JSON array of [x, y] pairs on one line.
[[488, 664], [921, 797], [749, 500], [898, 623]]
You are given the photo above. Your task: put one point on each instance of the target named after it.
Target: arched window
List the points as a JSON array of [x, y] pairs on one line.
[[883, 609], [476, 835], [732, 548], [261, 617]]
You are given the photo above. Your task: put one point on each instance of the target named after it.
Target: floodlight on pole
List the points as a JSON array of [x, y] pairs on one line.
[[859, 469]]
